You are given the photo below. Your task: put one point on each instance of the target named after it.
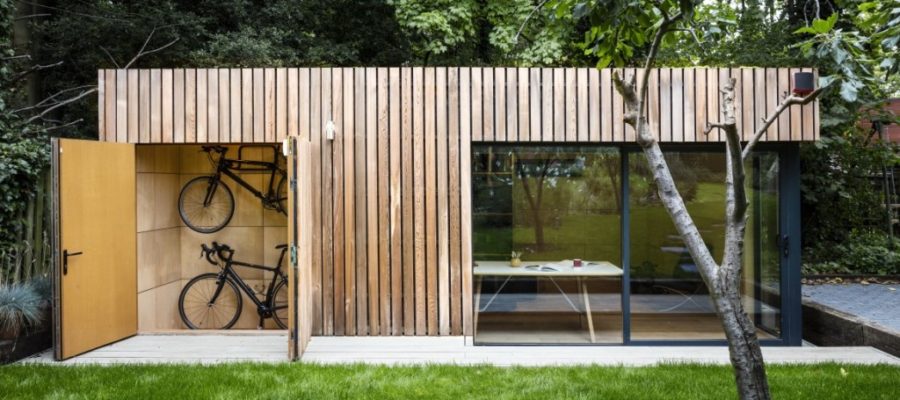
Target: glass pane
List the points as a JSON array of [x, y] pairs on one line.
[[669, 300], [553, 205], [762, 258]]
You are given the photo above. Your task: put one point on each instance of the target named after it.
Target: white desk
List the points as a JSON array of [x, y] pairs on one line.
[[562, 269]]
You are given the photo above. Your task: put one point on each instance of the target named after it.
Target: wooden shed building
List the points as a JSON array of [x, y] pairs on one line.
[[408, 191]]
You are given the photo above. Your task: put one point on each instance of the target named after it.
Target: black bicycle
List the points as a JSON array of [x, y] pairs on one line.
[[206, 203], [213, 300]]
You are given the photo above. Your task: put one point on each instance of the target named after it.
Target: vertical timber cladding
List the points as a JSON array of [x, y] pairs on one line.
[[391, 193]]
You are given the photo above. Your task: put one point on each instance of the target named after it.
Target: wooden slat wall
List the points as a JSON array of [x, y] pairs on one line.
[[506, 104], [391, 192]]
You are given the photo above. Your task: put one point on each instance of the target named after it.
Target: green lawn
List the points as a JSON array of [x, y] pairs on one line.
[[236, 381]]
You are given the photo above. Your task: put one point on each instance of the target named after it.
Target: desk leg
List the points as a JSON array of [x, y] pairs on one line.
[[582, 321], [587, 309], [477, 308]]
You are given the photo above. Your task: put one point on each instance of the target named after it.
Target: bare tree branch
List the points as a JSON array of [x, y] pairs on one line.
[[665, 183], [737, 206], [67, 11], [29, 71], [111, 58], [50, 100], [767, 122], [531, 14], [30, 16], [654, 48], [68, 124], [60, 104], [143, 52], [712, 125], [28, 56]]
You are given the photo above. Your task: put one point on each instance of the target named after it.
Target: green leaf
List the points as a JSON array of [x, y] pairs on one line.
[[848, 91], [580, 10], [825, 81], [824, 26], [806, 29]]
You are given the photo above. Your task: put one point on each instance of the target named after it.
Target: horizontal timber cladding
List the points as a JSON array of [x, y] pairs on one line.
[[391, 196]]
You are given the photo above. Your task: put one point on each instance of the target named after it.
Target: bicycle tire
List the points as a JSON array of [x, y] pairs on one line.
[[280, 315], [282, 200], [192, 211], [229, 291]]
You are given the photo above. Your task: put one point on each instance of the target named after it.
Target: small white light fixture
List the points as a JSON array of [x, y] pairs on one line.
[[329, 130]]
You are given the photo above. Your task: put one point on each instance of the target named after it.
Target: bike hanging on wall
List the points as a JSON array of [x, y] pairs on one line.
[[213, 300], [206, 203]]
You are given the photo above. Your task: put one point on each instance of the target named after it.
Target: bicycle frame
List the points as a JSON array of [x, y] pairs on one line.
[[265, 307], [225, 166]]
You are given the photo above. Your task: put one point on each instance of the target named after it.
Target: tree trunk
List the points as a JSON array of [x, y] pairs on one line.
[[743, 345], [539, 232], [722, 280]]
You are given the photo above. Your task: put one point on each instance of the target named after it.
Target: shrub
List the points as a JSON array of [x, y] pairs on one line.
[[862, 253], [20, 308], [43, 287]]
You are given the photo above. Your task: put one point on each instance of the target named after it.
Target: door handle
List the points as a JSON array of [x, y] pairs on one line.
[[785, 246], [66, 256]]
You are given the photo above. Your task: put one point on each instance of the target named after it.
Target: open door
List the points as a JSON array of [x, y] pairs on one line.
[[95, 245], [299, 202]]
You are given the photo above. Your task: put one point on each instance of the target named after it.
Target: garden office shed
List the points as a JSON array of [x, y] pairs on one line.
[[410, 188]]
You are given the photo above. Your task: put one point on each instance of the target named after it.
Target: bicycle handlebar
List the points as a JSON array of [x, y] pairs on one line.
[[221, 252], [216, 148]]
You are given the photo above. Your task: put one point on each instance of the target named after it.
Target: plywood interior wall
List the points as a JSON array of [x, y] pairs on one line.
[[168, 251], [159, 232]]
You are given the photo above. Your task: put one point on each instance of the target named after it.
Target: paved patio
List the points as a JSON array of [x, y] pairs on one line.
[[272, 347], [874, 302]]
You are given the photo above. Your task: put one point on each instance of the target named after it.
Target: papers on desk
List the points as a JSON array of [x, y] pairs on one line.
[[554, 266], [544, 267]]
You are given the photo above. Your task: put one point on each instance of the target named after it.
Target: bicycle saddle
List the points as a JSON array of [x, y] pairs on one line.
[[281, 246]]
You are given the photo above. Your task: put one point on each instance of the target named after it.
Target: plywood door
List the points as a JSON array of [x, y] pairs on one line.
[[96, 290], [299, 157], [290, 147]]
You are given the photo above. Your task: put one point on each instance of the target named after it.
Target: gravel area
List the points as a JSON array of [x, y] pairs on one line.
[[875, 302]]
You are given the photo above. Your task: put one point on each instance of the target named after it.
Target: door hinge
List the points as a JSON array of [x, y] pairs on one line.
[[294, 256], [293, 183]]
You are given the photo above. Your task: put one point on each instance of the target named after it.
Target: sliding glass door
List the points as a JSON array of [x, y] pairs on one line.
[[550, 226], [668, 299]]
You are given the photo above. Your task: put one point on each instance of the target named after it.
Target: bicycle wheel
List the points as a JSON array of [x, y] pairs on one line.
[[280, 303], [197, 312], [194, 210]]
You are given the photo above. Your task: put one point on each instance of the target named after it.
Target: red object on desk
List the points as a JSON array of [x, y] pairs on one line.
[[576, 263]]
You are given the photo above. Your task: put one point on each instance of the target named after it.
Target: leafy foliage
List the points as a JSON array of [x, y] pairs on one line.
[[858, 49], [620, 32], [24, 155], [839, 193], [436, 26], [93, 34], [497, 32], [862, 253]]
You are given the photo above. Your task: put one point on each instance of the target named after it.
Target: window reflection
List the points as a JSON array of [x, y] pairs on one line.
[[668, 297], [553, 205]]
